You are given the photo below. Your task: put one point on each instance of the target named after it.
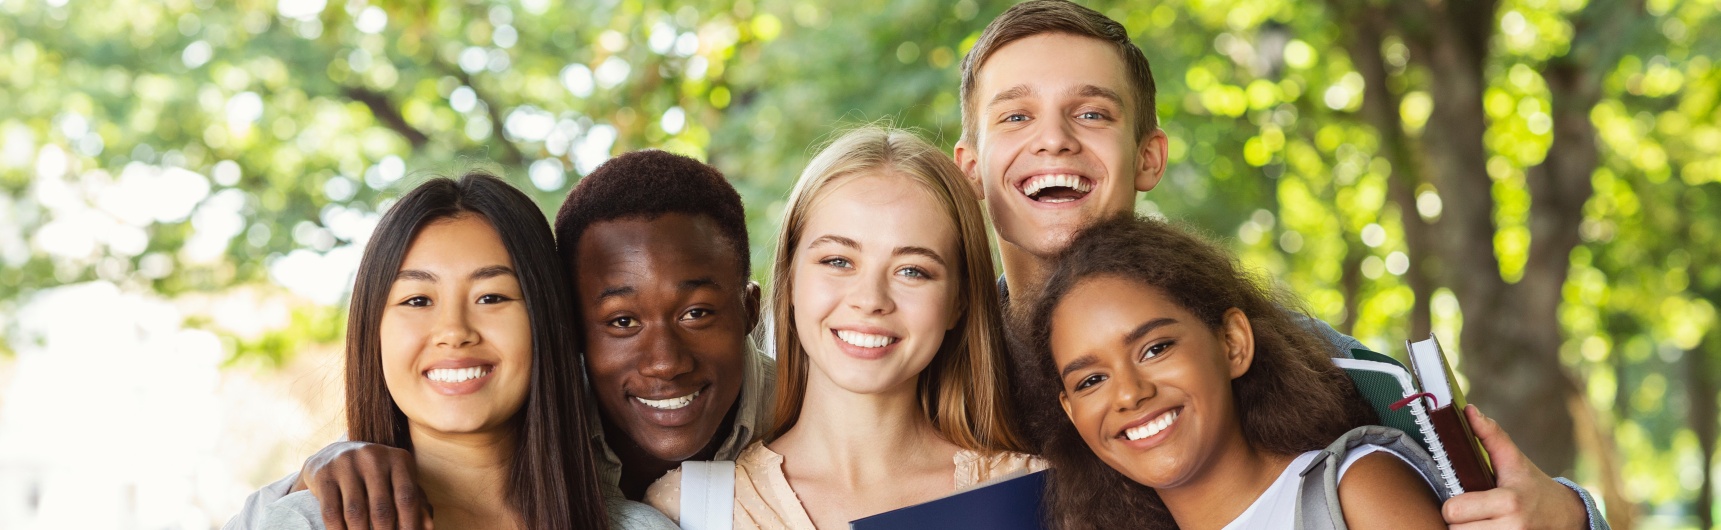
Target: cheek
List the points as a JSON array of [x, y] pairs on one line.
[[401, 339]]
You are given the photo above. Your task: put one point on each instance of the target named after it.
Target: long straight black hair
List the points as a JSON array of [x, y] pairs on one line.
[[553, 480]]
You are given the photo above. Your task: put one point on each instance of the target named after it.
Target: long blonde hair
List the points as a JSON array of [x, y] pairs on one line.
[[964, 391]]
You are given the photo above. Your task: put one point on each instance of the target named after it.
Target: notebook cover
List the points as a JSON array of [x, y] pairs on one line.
[[1012, 504], [1469, 459]]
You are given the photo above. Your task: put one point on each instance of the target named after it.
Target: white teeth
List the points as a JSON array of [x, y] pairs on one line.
[[456, 375], [864, 340], [1037, 184], [671, 403], [1151, 428]]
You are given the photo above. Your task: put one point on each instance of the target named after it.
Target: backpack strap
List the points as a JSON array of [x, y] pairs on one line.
[[708, 495], [1318, 493]]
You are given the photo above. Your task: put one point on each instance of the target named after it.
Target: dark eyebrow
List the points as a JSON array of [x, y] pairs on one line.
[[1144, 329], [615, 292], [840, 240], [492, 272], [415, 275], [1080, 363], [698, 283], [919, 251], [1015, 92], [1091, 91]]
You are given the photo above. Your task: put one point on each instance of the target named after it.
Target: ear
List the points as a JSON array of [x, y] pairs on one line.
[[968, 159], [751, 298], [1150, 160], [1239, 342], [1064, 400]]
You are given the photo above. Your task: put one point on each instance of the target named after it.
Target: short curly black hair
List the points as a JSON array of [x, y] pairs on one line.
[[645, 185]]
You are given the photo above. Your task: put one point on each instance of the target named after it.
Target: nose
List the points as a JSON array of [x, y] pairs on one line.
[[663, 353], [870, 294], [1055, 137], [1133, 390], [454, 327]]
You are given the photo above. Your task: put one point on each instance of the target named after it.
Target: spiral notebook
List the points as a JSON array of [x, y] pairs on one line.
[[1426, 403]]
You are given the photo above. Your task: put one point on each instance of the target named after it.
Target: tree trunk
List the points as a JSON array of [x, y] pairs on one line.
[[1701, 390]]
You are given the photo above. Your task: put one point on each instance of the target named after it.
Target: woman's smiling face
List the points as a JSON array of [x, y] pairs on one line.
[[456, 339], [1146, 382], [875, 282]]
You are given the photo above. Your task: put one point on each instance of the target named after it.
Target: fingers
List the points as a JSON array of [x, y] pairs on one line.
[[352, 502], [1510, 464], [375, 476], [1497, 505], [328, 494], [408, 498]]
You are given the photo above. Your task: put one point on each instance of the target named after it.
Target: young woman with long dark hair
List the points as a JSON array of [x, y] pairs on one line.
[[461, 349], [1194, 398]]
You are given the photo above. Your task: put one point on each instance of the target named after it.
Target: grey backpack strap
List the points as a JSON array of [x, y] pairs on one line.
[[708, 495], [1318, 494]]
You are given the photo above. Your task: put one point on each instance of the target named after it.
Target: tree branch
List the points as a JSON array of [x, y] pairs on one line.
[[385, 111]]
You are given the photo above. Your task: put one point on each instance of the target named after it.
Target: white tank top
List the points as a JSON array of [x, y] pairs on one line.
[[1276, 508]]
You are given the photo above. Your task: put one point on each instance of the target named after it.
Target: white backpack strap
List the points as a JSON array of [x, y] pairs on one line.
[[708, 495]]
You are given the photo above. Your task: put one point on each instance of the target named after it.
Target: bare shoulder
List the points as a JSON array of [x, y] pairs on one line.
[[1381, 491], [665, 494]]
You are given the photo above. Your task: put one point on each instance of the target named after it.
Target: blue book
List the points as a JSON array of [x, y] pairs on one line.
[[1007, 504]]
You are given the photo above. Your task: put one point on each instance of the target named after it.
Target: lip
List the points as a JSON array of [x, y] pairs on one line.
[[1151, 441], [670, 418], [865, 354], [1017, 183], [464, 387]]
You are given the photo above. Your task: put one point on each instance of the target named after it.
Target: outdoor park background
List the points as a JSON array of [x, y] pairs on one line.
[[186, 185]]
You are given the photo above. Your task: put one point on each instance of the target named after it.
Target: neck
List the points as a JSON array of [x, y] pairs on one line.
[[1024, 273], [1220, 491], [639, 468], [465, 475], [860, 439]]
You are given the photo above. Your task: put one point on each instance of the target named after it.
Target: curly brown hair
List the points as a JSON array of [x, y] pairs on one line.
[[1291, 400]]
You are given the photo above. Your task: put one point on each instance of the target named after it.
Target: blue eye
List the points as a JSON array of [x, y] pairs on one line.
[[841, 263], [1016, 118], [1093, 115], [915, 272]]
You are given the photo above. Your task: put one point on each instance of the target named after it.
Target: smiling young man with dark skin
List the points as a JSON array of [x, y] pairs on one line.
[[1059, 130], [657, 246]]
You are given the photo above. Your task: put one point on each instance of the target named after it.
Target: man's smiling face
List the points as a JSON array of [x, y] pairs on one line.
[[666, 322], [1054, 146]]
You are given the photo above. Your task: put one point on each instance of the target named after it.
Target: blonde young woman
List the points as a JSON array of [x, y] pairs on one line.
[[891, 384]]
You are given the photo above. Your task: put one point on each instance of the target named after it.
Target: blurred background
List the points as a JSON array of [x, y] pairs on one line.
[[186, 186]]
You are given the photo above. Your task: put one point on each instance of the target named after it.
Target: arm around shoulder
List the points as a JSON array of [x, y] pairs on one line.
[[1380, 491], [299, 511]]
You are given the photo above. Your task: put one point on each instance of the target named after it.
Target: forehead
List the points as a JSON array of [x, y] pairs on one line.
[[1050, 64], [1098, 311], [455, 243], [887, 208], [677, 245]]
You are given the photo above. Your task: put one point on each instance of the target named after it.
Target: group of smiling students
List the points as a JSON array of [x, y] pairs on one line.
[[499, 376]]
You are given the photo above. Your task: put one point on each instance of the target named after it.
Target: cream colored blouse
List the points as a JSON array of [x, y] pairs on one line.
[[763, 499]]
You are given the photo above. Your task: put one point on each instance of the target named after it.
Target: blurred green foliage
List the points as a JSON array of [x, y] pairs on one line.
[[314, 113]]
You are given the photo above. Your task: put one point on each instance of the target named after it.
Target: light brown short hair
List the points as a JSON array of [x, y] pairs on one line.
[[1038, 17]]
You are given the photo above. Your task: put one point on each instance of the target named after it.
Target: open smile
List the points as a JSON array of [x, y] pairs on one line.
[[464, 377], [1055, 188], [669, 408], [870, 344], [1150, 430]]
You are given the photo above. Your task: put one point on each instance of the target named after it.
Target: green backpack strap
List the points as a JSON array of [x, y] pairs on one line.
[[1318, 493]]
